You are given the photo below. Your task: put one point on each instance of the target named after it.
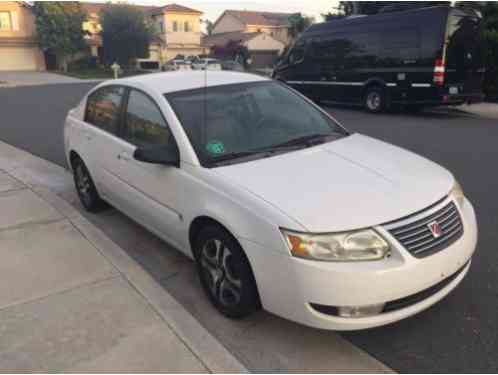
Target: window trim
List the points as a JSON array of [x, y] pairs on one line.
[[11, 26], [124, 111], [120, 111]]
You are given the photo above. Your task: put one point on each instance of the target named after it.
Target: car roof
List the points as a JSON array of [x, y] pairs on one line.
[[187, 80]]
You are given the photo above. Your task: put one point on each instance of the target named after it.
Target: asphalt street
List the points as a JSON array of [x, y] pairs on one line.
[[459, 334]]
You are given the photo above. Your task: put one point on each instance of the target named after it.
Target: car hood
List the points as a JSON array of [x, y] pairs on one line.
[[351, 183]]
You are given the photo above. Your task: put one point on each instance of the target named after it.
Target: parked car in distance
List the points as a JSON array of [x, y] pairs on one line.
[[420, 57], [175, 65], [232, 65], [192, 59], [277, 203], [207, 64]]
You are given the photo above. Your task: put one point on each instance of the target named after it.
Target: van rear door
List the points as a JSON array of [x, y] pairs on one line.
[[464, 53]]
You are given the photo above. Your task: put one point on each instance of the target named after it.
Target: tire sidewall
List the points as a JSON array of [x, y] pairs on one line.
[[249, 301], [95, 203], [381, 92]]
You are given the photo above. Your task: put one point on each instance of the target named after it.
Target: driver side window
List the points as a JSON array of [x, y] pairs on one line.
[[144, 123]]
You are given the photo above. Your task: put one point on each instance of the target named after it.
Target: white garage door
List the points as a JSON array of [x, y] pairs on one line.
[[18, 58]]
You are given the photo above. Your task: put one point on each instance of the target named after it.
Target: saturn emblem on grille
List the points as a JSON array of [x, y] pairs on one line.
[[435, 229]]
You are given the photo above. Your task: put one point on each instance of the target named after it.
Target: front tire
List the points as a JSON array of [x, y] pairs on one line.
[[225, 273], [85, 187], [375, 99]]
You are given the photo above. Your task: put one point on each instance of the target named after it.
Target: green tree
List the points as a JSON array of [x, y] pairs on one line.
[[126, 33], [298, 23], [489, 36], [59, 28], [209, 26]]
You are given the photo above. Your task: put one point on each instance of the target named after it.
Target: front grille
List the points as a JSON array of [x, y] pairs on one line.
[[418, 239]]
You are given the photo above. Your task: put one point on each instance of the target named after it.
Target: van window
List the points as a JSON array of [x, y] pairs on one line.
[[400, 44], [103, 108], [296, 55], [144, 124]]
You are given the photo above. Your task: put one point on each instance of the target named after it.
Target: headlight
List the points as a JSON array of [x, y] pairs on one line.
[[457, 193], [339, 247]]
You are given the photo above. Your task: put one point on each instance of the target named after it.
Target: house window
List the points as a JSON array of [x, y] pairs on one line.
[[161, 26], [175, 26], [5, 21], [187, 27]]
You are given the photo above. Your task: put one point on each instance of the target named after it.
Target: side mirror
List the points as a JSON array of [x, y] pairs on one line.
[[164, 155]]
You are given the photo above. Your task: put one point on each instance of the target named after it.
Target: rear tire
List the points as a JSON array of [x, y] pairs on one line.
[[225, 273], [85, 187], [375, 99]]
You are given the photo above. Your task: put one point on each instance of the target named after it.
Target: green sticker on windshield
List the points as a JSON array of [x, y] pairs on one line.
[[215, 147]]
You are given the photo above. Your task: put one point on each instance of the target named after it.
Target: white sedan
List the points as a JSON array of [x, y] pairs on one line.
[[278, 204]]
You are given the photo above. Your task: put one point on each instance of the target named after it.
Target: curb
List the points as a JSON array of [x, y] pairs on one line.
[[215, 357]]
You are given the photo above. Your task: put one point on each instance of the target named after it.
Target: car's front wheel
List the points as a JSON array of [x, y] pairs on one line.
[[225, 273], [85, 187]]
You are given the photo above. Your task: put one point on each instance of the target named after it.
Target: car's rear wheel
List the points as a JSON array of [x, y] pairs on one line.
[[85, 187], [225, 273], [374, 99]]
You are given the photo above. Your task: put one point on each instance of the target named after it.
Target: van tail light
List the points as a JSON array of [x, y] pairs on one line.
[[439, 72]]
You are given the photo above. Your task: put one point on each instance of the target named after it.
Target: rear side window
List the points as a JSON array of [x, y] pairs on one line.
[[144, 124], [401, 44], [103, 108], [296, 55]]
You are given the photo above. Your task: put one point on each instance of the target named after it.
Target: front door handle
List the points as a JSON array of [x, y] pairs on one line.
[[88, 136], [124, 156]]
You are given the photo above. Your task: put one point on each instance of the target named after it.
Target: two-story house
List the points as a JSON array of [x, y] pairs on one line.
[[274, 24], [18, 47], [265, 34], [180, 31]]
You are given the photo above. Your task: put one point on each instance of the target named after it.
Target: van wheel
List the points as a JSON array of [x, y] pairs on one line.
[[225, 273], [85, 188], [375, 99]]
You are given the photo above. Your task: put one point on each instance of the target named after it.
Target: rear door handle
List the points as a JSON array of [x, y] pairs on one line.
[[88, 136], [124, 156]]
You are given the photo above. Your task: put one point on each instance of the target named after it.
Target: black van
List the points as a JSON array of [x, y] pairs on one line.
[[415, 58]]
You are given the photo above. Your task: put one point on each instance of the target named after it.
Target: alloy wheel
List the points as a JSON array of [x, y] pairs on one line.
[[374, 100], [219, 272], [83, 183]]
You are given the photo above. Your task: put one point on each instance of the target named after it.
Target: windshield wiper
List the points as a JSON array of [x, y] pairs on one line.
[[307, 140], [236, 155]]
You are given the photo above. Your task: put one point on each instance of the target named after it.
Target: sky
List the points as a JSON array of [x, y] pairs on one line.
[[213, 8]]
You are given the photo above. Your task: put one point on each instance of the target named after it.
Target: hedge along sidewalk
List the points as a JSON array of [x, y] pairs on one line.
[[150, 320]]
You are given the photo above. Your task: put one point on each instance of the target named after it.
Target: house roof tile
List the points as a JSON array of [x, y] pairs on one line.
[[260, 18], [172, 8]]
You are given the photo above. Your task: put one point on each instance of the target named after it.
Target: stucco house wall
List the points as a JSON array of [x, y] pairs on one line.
[[18, 47]]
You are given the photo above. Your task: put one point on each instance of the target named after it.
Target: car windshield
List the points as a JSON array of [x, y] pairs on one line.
[[234, 123]]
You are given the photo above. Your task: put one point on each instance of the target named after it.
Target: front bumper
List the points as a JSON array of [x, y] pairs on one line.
[[288, 286]]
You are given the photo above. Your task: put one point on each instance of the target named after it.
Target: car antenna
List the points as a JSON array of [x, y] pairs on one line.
[[205, 105]]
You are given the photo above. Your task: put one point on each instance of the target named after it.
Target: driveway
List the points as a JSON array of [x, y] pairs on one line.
[[10, 79]]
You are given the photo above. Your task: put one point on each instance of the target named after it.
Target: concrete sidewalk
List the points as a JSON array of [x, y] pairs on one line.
[[21, 78], [488, 110], [73, 301]]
